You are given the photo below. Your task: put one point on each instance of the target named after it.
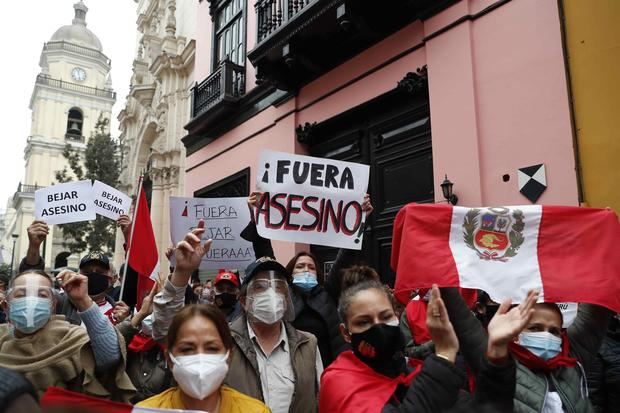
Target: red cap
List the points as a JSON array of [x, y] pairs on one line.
[[227, 276]]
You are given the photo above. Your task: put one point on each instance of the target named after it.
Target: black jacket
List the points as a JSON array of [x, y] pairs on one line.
[[604, 375], [316, 311]]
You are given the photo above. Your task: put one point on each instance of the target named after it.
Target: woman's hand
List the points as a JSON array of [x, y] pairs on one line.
[[367, 206], [440, 328], [76, 287], [506, 325]]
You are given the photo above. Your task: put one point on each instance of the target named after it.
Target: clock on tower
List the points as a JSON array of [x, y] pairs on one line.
[[78, 74]]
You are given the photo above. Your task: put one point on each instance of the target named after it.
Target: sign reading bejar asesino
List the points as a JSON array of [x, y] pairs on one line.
[[311, 200]]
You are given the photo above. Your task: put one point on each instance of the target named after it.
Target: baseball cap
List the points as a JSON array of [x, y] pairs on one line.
[[226, 276], [95, 257], [264, 264]]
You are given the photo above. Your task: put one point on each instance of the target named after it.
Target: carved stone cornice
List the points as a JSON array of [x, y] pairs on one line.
[[416, 82], [305, 133]]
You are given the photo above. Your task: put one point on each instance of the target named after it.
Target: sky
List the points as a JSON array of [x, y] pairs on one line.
[[25, 27]]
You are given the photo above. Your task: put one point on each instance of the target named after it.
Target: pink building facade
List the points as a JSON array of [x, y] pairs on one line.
[[471, 89]]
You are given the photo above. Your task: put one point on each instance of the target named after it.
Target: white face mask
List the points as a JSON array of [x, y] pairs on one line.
[[199, 375], [267, 306]]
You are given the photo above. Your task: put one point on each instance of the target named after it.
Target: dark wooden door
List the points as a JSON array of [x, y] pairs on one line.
[[393, 136]]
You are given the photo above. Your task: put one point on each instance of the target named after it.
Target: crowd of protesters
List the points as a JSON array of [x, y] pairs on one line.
[[282, 336]]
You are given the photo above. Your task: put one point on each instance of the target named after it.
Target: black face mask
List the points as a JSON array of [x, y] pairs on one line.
[[97, 283], [225, 300], [381, 348], [489, 313]]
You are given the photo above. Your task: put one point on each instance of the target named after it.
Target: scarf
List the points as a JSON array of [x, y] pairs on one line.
[[535, 363], [59, 354], [349, 385], [141, 343], [416, 317]]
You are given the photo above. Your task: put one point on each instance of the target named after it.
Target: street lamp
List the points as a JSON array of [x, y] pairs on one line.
[[446, 188], [15, 236]]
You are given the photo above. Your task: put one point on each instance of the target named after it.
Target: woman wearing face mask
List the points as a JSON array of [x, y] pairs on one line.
[[550, 362], [314, 296], [379, 378], [199, 350], [49, 351]]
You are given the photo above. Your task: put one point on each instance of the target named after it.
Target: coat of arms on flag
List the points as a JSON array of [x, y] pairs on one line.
[[496, 235]]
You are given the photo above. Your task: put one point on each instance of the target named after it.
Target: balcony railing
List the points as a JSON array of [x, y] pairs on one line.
[[85, 51], [227, 83], [48, 81], [74, 137], [275, 13]]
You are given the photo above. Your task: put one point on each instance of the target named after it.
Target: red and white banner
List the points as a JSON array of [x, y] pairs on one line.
[[569, 254], [58, 399]]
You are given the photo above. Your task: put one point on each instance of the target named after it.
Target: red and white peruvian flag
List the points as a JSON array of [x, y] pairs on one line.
[[58, 399], [569, 254], [142, 253]]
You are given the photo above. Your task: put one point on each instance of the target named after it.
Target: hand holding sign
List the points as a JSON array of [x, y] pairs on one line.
[[189, 253], [37, 232]]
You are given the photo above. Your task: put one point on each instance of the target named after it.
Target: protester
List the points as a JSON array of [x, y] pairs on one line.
[[49, 351], [550, 363], [314, 296], [199, 352], [117, 280], [484, 308], [4, 283], [16, 393], [271, 360], [376, 377], [95, 265], [146, 362], [604, 376], [226, 294], [413, 326]]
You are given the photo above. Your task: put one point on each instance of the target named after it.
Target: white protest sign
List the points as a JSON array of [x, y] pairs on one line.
[[110, 202], [569, 312], [224, 218], [311, 200], [65, 203]]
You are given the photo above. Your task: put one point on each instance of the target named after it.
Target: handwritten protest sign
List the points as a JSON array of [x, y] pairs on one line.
[[225, 218], [311, 200], [110, 202], [65, 203]]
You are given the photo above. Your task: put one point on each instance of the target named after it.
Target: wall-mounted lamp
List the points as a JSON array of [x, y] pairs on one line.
[[446, 188]]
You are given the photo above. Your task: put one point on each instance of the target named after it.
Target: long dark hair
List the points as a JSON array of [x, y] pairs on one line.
[[319, 269], [210, 312]]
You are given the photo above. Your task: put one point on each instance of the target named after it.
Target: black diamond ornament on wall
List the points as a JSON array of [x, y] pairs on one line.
[[532, 181]]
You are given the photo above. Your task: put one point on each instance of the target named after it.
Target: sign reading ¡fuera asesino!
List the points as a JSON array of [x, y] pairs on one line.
[[311, 200]]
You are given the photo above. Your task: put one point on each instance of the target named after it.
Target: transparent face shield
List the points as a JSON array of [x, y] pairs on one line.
[[30, 302], [268, 298]]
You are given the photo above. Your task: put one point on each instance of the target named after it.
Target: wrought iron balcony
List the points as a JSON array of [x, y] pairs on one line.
[[299, 40], [74, 137], [219, 92], [28, 189], [93, 91]]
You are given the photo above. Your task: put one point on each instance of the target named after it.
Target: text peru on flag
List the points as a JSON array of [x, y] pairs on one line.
[[569, 254]]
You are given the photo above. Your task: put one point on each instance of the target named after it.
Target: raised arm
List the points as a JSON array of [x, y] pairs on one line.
[[262, 246], [37, 232], [188, 255], [471, 334], [587, 332], [103, 338]]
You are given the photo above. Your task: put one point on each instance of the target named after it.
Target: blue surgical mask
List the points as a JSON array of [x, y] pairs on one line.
[[29, 314], [306, 281], [542, 344]]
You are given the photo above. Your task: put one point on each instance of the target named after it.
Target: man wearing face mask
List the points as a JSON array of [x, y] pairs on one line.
[[551, 363], [95, 265], [272, 361], [226, 288]]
